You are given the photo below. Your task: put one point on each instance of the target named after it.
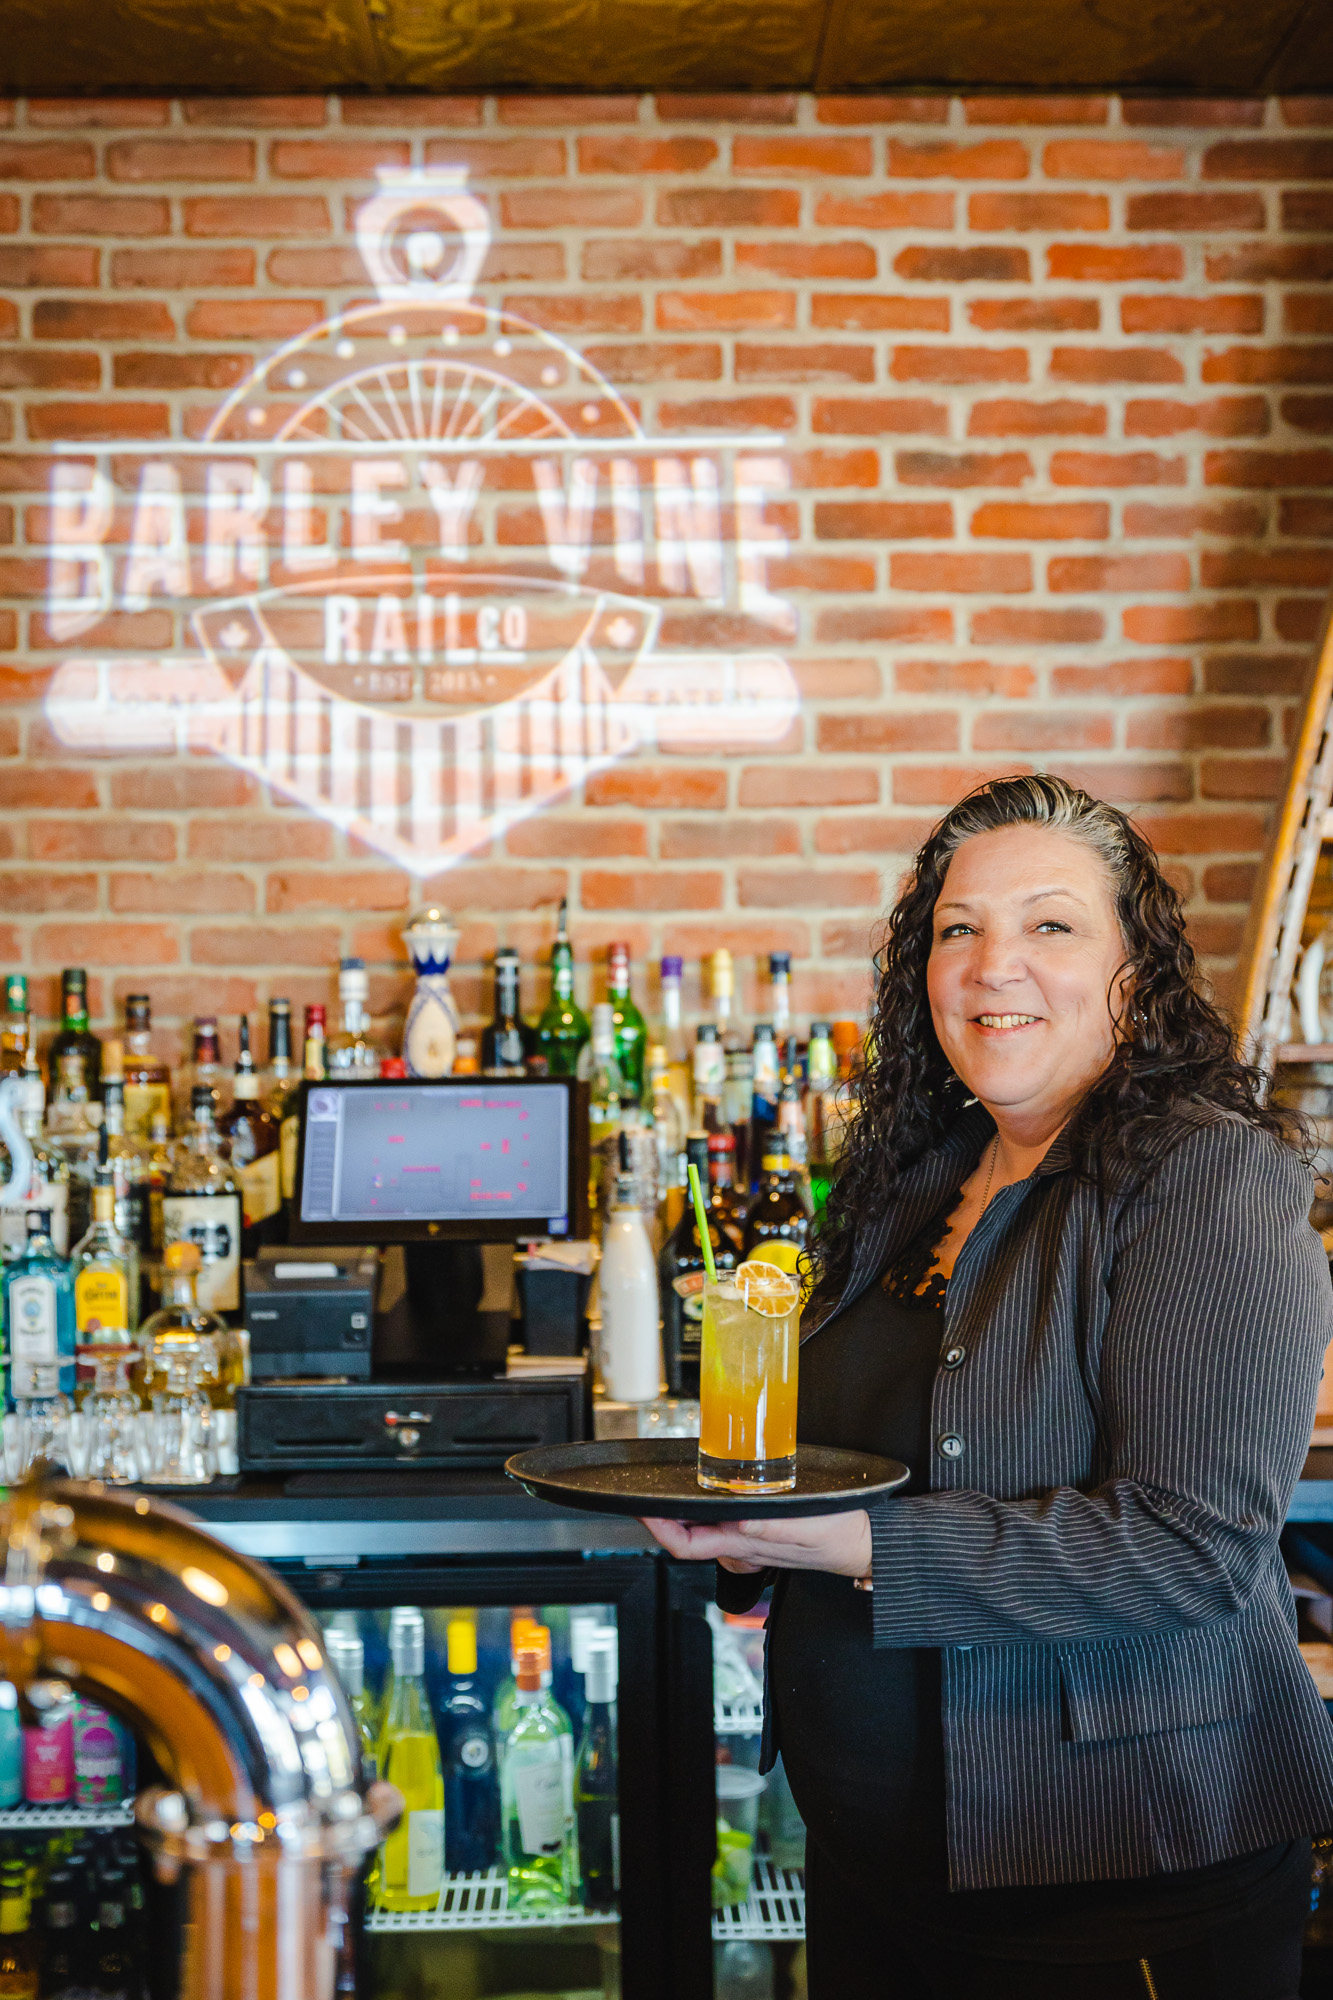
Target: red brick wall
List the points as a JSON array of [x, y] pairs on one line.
[[1055, 380]]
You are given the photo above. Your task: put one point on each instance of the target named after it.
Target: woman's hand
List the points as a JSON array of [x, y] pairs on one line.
[[837, 1542]]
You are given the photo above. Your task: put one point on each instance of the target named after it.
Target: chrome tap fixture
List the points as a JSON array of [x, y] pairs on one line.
[[224, 1673]]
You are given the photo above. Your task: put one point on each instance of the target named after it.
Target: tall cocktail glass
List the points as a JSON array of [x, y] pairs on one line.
[[747, 1381]]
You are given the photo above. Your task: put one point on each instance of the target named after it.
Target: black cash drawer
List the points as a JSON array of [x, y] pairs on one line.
[[335, 1426]]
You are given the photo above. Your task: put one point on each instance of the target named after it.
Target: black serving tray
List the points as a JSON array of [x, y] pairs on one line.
[[656, 1477]]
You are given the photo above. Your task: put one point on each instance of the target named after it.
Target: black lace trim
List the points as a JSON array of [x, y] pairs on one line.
[[912, 1278]]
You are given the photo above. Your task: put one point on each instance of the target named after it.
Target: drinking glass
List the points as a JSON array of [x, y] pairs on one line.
[[111, 1414], [747, 1381]]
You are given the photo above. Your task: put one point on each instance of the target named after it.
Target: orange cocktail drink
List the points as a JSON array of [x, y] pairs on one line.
[[747, 1381]]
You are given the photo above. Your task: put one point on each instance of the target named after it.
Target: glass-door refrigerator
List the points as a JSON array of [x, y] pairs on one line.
[[518, 1706]]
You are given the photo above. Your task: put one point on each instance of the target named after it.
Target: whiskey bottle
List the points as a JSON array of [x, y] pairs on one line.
[[314, 1052], [202, 1205], [147, 1078]]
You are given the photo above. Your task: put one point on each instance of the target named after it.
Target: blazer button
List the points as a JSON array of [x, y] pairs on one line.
[[954, 1357], [951, 1445]]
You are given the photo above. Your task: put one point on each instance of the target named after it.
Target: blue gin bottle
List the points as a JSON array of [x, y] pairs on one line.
[[40, 1326]]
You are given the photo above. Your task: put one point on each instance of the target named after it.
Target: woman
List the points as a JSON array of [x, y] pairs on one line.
[[1067, 1276]]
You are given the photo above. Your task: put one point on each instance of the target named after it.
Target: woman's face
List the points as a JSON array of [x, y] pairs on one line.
[[1025, 953]]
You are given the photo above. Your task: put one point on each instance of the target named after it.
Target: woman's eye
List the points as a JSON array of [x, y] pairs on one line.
[[955, 930], [1053, 924]]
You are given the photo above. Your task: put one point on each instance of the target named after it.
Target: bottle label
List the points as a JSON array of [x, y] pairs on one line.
[[261, 1188], [213, 1221], [289, 1139], [13, 1224], [33, 1337], [102, 1301], [48, 1762], [539, 1792], [143, 1103], [425, 1852]]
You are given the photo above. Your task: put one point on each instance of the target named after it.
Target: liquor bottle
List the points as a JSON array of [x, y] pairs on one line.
[[354, 1052], [280, 1095], [279, 1081], [682, 1257], [204, 1068], [710, 1077], [11, 1747], [129, 1170], [563, 1028], [147, 1079], [18, 1952], [347, 1654], [596, 1792], [157, 1158], [64, 1962], [726, 1199], [722, 980], [777, 1221], [630, 1347], [202, 1205], [48, 1186], [606, 1096], [503, 1709], [779, 978], [765, 1090], [105, 1266], [673, 1036], [39, 1317], [412, 1858], [471, 1779], [537, 1796], [791, 1108], [821, 1076], [75, 1039], [314, 1053], [504, 1044], [252, 1138], [631, 1030], [669, 1129], [14, 1032], [184, 1330]]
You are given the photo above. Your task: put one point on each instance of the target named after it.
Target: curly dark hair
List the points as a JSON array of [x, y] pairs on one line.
[[1175, 1047]]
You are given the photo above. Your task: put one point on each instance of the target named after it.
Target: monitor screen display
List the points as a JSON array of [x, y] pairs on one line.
[[484, 1157]]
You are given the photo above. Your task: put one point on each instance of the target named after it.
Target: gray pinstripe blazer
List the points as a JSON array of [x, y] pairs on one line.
[[1122, 1409]]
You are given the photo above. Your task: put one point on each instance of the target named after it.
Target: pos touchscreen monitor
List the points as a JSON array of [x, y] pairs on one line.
[[465, 1159]]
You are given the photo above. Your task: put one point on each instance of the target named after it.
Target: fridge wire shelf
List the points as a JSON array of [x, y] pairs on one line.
[[738, 1718], [35, 1819], [481, 1902], [774, 1913]]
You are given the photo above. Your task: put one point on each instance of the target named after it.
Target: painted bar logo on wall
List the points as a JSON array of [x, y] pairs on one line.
[[423, 564]]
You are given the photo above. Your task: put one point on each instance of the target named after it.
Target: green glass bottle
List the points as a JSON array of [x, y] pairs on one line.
[[563, 1028], [631, 1028]]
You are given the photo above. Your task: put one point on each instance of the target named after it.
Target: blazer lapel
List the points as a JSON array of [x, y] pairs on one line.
[[923, 1187]]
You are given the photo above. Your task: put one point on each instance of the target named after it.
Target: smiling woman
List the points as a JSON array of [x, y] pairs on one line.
[[1068, 1277]]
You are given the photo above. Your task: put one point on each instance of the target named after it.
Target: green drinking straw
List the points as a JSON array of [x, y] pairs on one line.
[[697, 1197]]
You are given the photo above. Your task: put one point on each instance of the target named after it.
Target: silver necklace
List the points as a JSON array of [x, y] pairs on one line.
[[990, 1176]]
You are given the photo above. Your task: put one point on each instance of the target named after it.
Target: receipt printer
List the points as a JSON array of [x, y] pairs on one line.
[[311, 1312]]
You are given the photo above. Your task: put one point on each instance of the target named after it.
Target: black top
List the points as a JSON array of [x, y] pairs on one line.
[[860, 1728]]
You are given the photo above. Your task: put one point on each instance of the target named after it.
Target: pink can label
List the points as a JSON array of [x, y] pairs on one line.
[[48, 1763], [97, 1775]]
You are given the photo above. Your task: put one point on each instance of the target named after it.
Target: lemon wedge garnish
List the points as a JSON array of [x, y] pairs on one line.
[[767, 1290]]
